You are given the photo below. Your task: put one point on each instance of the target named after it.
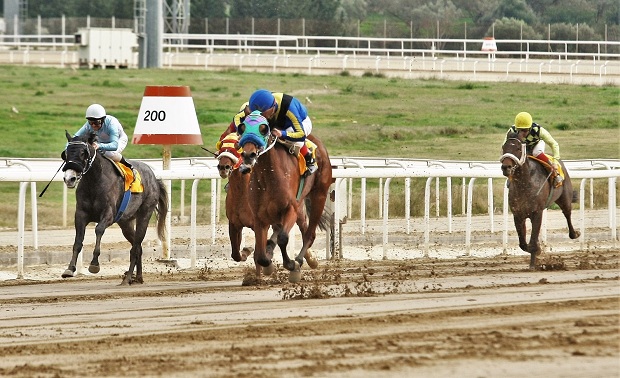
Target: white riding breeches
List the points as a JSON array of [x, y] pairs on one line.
[[114, 155], [539, 148], [122, 143], [306, 125]]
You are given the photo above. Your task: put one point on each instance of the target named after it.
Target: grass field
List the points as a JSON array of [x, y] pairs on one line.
[[354, 116]]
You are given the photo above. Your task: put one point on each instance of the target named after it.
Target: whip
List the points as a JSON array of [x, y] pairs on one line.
[[48, 184]]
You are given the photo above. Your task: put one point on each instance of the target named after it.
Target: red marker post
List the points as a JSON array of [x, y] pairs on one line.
[[167, 116]]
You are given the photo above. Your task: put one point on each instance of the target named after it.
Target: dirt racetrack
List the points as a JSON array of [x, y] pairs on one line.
[[463, 317]]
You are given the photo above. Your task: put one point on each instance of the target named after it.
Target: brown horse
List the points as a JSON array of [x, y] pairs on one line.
[[279, 195], [238, 210], [530, 193]]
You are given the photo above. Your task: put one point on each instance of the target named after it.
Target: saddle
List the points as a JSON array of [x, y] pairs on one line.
[[552, 172], [294, 150]]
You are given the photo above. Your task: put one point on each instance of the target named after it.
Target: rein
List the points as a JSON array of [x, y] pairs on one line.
[[270, 146], [520, 161]]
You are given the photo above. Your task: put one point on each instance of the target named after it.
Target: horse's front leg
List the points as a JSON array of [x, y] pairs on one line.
[[80, 230], [235, 235], [534, 245], [99, 231], [262, 256], [521, 232]]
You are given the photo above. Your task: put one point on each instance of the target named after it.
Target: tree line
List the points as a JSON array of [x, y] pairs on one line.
[[502, 19]]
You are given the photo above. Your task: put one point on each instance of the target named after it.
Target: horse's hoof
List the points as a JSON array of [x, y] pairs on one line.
[[576, 235], [313, 263], [94, 269], [294, 275], [68, 274], [268, 270]]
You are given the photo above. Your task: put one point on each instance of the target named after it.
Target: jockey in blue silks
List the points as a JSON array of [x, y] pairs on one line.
[[288, 119]]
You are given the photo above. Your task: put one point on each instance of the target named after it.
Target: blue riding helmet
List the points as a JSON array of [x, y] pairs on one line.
[[261, 100], [252, 133]]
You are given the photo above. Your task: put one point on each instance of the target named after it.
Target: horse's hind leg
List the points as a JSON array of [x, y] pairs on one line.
[[135, 254], [80, 230], [565, 203], [318, 200], [128, 229]]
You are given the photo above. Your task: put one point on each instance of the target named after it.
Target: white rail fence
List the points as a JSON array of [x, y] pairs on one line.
[[28, 172], [556, 61]]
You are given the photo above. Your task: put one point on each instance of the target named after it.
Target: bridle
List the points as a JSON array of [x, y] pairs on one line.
[[519, 161], [82, 169]]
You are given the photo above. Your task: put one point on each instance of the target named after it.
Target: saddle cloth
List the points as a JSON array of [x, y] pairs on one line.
[[301, 161], [133, 180]]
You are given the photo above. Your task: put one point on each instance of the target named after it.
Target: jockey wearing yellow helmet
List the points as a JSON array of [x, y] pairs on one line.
[[535, 136]]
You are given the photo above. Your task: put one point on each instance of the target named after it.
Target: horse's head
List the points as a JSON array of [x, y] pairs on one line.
[[254, 133], [513, 154], [228, 156], [78, 156]]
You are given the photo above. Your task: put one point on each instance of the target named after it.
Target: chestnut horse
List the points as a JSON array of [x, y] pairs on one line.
[[530, 193], [280, 196], [238, 210]]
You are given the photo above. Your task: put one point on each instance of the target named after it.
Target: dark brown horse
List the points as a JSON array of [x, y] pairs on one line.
[[279, 195], [530, 193], [99, 197]]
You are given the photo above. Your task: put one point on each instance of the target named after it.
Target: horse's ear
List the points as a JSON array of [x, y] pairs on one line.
[[92, 138], [264, 129], [68, 136]]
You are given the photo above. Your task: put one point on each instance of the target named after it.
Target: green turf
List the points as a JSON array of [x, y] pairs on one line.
[[354, 116]]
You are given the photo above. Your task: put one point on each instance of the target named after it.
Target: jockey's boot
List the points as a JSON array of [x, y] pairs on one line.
[[126, 163], [557, 181], [310, 163]]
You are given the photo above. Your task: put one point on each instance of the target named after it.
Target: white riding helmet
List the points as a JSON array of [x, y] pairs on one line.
[[95, 111]]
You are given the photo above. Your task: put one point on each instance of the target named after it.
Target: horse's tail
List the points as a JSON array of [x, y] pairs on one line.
[[162, 210], [325, 222]]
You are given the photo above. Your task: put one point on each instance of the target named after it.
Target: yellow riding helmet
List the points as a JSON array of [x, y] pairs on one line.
[[523, 120]]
